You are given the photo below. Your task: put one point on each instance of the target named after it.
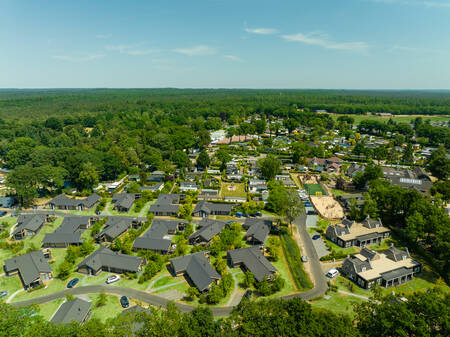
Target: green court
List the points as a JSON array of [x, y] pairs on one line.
[[314, 189]]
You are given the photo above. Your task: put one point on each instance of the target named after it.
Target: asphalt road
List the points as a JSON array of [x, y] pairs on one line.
[[319, 289]]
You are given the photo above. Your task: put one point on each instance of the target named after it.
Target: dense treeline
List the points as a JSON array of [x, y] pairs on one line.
[[419, 314], [43, 103]]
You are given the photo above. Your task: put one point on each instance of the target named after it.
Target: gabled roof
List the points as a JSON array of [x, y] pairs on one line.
[[75, 310], [161, 227], [30, 266], [209, 207], [208, 229], [62, 237], [258, 229], [124, 200], [63, 200], [30, 222], [166, 203], [105, 257], [150, 243], [198, 269], [116, 225], [253, 260]]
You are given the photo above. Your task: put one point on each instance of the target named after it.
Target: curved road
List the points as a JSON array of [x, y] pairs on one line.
[[318, 276]]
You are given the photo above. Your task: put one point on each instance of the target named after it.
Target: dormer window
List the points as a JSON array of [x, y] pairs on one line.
[[363, 269]]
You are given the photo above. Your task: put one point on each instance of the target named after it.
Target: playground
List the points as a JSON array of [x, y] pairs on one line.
[[327, 207]]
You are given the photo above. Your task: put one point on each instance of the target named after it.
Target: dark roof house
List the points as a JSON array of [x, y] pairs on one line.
[[258, 230], [69, 233], [63, 202], [166, 205], [154, 238], [208, 228], [124, 201], [28, 224], [205, 209], [104, 259], [33, 268], [197, 269], [252, 259], [116, 226]]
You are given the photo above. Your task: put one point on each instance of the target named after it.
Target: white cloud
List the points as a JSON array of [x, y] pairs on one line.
[[83, 58], [103, 36], [322, 40], [417, 50], [233, 58], [132, 49], [196, 51], [261, 31]]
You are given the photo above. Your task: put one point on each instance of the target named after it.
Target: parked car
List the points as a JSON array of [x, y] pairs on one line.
[[258, 214], [72, 283], [112, 279], [304, 258], [248, 293], [124, 302], [3, 294], [238, 214], [316, 237], [333, 272], [3, 213]]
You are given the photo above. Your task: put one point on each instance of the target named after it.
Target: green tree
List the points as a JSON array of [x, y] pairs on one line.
[[180, 159], [294, 206], [24, 181], [270, 167], [88, 177], [203, 159]]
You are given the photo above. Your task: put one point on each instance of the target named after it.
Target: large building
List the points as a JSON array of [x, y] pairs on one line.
[[351, 233], [390, 268], [63, 202]]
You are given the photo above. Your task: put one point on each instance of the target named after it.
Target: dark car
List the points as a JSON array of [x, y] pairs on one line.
[[3, 213], [258, 214], [253, 215], [245, 215], [72, 283], [248, 293], [124, 302], [316, 237]]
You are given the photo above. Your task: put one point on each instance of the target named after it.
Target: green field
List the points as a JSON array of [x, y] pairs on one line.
[[312, 189]]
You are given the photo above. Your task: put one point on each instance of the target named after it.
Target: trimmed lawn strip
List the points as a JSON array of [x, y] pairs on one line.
[[293, 257]]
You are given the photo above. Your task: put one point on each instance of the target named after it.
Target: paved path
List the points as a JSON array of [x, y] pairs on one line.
[[14, 295], [317, 274], [352, 294]]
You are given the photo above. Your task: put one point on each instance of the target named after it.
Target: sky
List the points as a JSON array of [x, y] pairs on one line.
[[330, 44]]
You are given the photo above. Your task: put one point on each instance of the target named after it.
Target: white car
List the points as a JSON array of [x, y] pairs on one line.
[[112, 279], [332, 273]]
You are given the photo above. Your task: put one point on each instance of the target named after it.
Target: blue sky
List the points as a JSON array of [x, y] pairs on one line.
[[360, 44]]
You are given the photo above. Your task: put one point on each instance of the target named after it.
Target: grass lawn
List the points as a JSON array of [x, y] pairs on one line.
[[345, 284], [164, 280], [284, 272], [10, 284], [110, 310], [181, 287], [10, 220], [36, 240], [47, 310], [338, 303], [88, 212], [238, 190], [131, 283], [296, 179], [337, 192], [334, 247]]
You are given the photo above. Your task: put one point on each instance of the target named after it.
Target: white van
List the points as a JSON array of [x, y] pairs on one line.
[[333, 272]]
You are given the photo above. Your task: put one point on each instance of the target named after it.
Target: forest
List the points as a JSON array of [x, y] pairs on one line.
[[418, 314]]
